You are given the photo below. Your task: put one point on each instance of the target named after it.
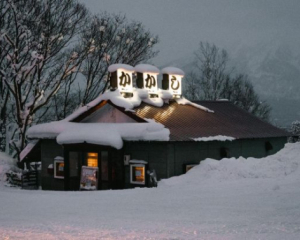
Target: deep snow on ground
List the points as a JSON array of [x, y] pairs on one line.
[[227, 199]]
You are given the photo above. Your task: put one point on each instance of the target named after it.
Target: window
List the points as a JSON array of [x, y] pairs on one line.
[[59, 169], [137, 174], [92, 159]]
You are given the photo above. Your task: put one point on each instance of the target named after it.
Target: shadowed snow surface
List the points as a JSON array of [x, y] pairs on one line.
[[227, 199]]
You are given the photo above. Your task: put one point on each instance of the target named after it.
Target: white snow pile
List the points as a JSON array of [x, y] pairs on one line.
[[146, 68], [172, 70], [184, 101], [108, 134], [115, 67], [214, 138], [285, 163], [7, 164]]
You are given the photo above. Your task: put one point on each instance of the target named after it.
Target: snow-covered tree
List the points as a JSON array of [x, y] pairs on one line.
[[212, 79], [113, 39], [295, 130], [36, 57]]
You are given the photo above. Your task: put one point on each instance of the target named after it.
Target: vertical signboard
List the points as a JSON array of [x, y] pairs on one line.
[[175, 84], [89, 178], [150, 83], [124, 80]]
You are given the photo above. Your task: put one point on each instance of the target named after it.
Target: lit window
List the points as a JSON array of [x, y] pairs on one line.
[[137, 174], [92, 159]]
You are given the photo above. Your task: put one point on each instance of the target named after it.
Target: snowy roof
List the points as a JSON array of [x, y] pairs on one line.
[[146, 68], [115, 67], [108, 134], [28, 149], [186, 122], [172, 70]]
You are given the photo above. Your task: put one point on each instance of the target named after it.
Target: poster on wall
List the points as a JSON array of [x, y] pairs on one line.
[[89, 178]]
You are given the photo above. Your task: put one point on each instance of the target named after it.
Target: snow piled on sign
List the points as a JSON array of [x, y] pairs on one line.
[[146, 68], [280, 165], [214, 138], [7, 163], [120, 66], [173, 71], [107, 134]]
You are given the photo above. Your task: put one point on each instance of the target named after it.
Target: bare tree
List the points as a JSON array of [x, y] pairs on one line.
[[37, 55], [212, 79], [115, 40]]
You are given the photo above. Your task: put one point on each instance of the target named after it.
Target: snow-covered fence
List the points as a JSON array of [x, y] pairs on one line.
[[26, 180]]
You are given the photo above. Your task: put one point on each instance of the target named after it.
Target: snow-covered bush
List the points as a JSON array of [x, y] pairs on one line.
[[295, 130], [7, 164]]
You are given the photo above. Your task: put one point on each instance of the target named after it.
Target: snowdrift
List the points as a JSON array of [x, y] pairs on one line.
[[280, 165]]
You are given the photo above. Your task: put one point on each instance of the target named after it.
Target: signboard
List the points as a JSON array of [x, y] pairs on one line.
[[150, 82], [89, 178], [175, 84], [59, 169], [124, 81]]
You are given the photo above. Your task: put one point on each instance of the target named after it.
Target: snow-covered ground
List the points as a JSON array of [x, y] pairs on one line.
[[227, 199]]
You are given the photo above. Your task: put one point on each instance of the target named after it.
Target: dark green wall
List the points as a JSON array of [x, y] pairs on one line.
[[168, 158], [49, 150]]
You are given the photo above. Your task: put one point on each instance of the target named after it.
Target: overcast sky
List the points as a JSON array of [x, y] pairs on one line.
[[182, 24]]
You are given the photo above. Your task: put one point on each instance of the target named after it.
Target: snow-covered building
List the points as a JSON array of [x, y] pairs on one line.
[[113, 141]]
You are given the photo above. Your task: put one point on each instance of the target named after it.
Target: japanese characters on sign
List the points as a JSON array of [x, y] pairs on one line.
[[124, 79], [150, 82], [175, 84]]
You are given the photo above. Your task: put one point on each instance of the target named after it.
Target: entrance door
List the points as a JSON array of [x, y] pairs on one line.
[[101, 160]]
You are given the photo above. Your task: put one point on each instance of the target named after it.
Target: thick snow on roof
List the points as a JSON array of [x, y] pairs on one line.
[[108, 134], [172, 70], [116, 98], [184, 101], [214, 138], [115, 67], [146, 68]]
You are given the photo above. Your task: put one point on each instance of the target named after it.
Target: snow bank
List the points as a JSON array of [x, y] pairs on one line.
[[6, 164], [172, 70], [280, 165], [108, 134], [146, 68], [184, 101], [214, 138]]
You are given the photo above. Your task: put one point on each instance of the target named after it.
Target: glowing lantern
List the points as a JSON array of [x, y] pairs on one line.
[[147, 77], [121, 77], [172, 80]]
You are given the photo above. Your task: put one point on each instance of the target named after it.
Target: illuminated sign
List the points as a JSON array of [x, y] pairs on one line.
[[175, 84], [150, 82], [124, 80]]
